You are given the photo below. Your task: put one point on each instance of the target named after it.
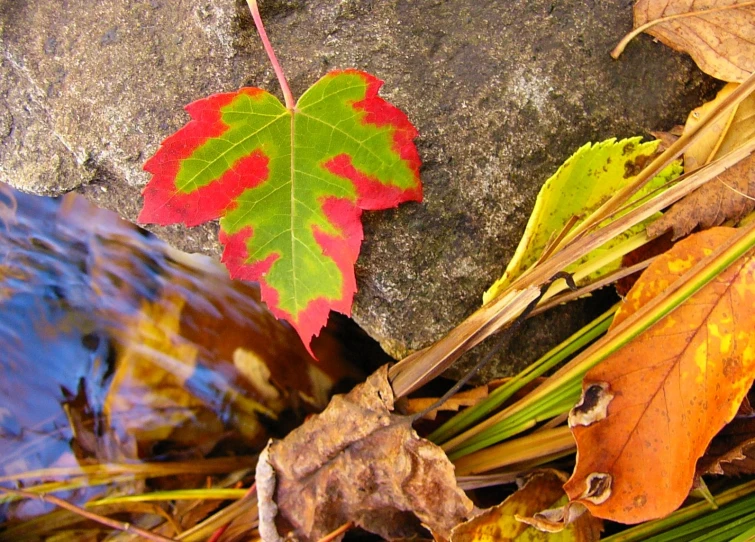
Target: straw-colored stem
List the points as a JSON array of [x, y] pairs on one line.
[[108, 522], [337, 532], [532, 446], [422, 366]]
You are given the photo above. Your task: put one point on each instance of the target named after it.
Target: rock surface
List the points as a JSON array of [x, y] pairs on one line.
[[502, 93]]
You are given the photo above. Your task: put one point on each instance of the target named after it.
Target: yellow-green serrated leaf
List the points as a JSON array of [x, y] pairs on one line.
[[582, 184]]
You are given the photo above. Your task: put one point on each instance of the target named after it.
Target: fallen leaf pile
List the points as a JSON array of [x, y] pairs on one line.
[[289, 185], [357, 462]]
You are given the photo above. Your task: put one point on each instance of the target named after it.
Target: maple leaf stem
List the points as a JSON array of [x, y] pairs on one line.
[[287, 95]]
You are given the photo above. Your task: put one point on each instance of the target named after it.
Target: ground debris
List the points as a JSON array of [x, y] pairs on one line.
[[358, 462]]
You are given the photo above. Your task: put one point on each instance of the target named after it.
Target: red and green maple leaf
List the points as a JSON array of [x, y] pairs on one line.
[[289, 186]]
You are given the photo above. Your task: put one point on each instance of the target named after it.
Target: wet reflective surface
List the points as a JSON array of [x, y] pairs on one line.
[[117, 348]]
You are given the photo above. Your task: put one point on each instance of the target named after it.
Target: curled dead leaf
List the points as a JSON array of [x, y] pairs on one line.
[[730, 196], [519, 517], [732, 451], [556, 520], [358, 462], [717, 34]]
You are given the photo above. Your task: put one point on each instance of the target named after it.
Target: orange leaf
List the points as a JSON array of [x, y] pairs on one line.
[[650, 410]]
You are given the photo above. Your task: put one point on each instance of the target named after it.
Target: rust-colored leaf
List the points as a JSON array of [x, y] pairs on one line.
[[732, 452], [655, 247], [732, 194], [727, 197], [649, 411], [357, 462], [717, 34], [539, 491]]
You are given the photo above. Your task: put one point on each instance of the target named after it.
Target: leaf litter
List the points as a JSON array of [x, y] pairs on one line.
[[358, 462], [291, 472], [504, 523], [599, 485], [730, 196]]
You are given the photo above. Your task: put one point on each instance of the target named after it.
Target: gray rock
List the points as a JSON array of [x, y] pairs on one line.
[[502, 93]]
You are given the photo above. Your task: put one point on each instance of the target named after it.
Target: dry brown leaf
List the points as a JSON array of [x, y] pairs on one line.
[[719, 35], [728, 196], [357, 462], [707, 144], [667, 138], [732, 451], [539, 491]]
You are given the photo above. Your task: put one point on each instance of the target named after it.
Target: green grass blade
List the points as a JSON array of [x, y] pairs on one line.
[[560, 383], [747, 536], [552, 358], [550, 407], [175, 495], [738, 501], [728, 531]]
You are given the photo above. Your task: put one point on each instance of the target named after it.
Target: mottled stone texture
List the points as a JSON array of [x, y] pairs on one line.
[[502, 93]]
